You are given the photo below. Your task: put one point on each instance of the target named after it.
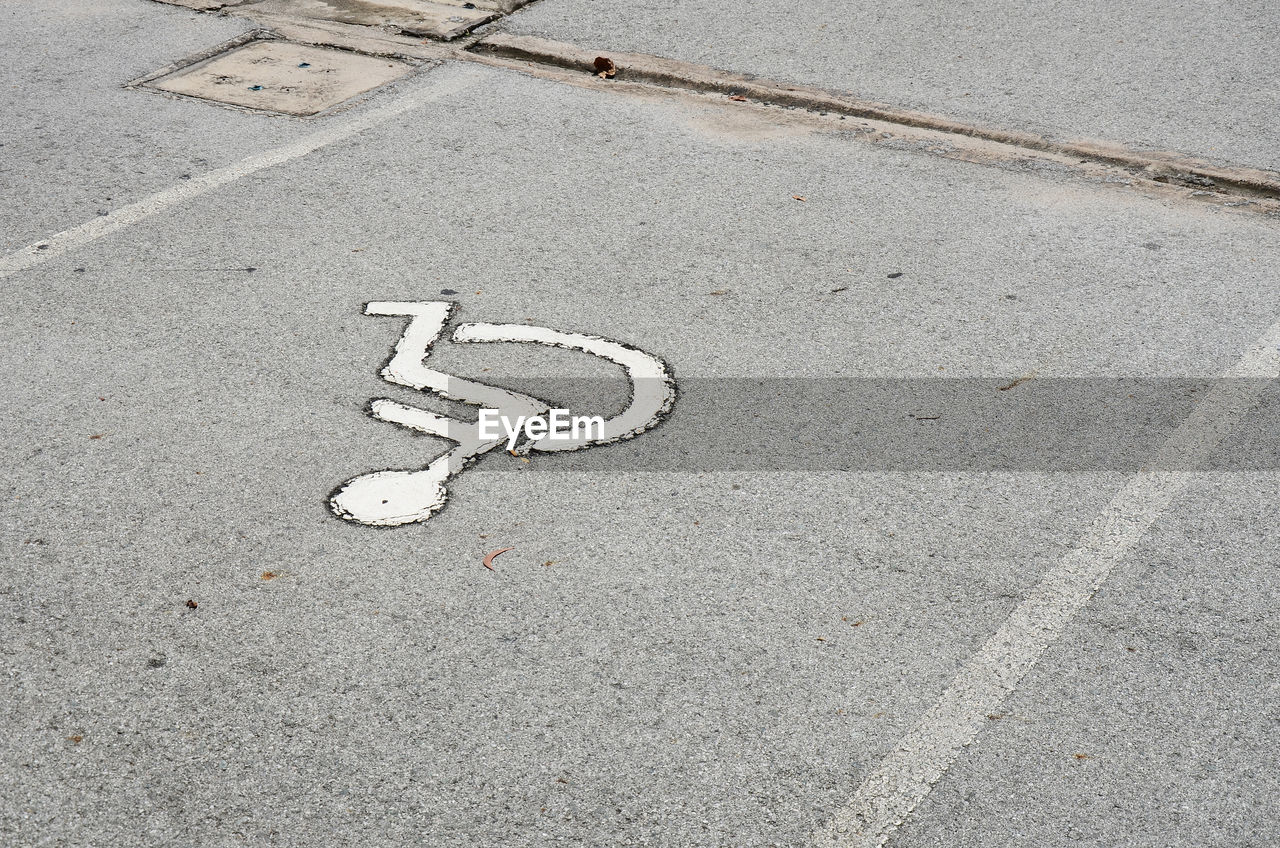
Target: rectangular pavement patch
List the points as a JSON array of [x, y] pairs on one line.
[[280, 76], [443, 20]]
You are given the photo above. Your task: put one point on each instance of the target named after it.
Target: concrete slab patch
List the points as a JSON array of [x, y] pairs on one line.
[[203, 5], [279, 76], [411, 17], [437, 19], [1071, 70]]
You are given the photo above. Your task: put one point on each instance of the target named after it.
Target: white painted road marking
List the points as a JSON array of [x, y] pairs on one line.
[[652, 390], [42, 251], [392, 498], [890, 793]]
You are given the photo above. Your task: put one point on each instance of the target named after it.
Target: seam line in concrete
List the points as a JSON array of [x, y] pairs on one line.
[[37, 253], [672, 73]]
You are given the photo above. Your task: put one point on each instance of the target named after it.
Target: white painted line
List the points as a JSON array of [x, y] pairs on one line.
[[68, 240], [653, 392], [408, 367], [413, 418], [890, 793]]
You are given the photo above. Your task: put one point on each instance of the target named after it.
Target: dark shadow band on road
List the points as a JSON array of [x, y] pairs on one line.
[[933, 425]]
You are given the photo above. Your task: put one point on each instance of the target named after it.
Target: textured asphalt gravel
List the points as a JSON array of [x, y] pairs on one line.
[[1147, 724], [75, 142], [665, 658]]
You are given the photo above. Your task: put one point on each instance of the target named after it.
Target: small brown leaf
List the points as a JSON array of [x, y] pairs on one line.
[[605, 69], [1083, 757], [97, 435], [77, 738], [487, 562], [191, 604], [799, 198], [269, 575]]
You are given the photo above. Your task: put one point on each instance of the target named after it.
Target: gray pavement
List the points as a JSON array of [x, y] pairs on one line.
[[1144, 726], [1198, 78], [717, 656], [76, 143]]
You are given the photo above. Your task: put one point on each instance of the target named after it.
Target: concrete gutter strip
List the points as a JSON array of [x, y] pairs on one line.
[[678, 74]]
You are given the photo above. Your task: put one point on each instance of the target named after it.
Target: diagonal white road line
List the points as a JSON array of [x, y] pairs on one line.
[[68, 240], [892, 791]]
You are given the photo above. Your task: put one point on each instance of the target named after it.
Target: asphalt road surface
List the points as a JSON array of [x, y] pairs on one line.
[[721, 632]]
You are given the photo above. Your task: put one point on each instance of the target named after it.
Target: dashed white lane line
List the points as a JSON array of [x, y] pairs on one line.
[[432, 88], [891, 792]]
